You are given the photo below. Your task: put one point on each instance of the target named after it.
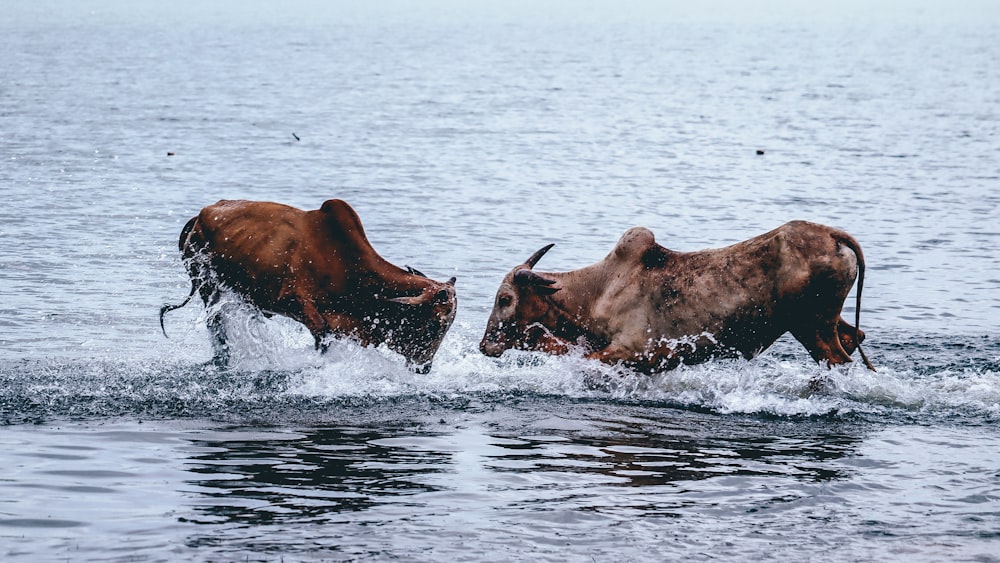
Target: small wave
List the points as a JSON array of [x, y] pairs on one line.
[[285, 379], [919, 377]]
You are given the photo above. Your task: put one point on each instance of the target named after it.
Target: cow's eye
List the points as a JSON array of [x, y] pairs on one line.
[[504, 300]]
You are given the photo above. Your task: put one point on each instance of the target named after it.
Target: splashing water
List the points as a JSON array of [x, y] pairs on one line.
[[276, 373]]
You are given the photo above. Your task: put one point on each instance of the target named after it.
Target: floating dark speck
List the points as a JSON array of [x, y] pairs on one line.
[[760, 151]]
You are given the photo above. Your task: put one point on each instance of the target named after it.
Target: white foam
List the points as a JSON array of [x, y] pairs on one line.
[[787, 384]]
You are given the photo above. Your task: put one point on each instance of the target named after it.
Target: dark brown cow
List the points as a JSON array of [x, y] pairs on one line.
[[652, 308], [318, 268]]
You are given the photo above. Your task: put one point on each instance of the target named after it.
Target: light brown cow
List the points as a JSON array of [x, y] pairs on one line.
[[318, 268], [652, 308]]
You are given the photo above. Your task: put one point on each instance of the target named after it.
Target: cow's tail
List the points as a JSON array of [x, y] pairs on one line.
[[168, 307], [181, 243], [849, 241]]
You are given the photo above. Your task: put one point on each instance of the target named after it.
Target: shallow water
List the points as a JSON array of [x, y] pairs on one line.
[[467, 136]]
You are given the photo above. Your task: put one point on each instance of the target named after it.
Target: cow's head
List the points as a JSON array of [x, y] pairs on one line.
[[415, 325], [520, 312]]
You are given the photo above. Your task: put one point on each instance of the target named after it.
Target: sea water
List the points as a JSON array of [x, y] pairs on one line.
[[467, 136]]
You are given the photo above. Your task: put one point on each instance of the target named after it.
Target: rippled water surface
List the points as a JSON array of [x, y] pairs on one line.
[[468, 135]]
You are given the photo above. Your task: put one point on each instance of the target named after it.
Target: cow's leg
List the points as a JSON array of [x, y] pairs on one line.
[[850, 337], [209, 290], [552, 344], [611, 354], [322, 325], [316, 324], [815, 317], [217, 329], [823, 342], [662, 358], [216, 325]]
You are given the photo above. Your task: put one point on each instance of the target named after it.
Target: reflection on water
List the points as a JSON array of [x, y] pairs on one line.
[[320, 474], [304, 478], [525, 476]]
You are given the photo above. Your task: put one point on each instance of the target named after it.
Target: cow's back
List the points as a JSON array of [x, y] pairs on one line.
[[274, 254], [262, 238], [736, 293]]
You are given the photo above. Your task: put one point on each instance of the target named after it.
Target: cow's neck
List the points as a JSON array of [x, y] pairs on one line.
[[571, 314], [381, 277]]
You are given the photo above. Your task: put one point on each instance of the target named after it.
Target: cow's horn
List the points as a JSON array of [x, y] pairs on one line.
[[538, 255]]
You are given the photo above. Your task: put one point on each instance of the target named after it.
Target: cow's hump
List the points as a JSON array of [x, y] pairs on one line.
[[342, 220], [634, 243]]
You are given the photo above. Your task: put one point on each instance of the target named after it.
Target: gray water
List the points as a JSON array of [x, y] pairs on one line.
[[468, 135]]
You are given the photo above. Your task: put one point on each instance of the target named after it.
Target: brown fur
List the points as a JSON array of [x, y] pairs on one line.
[[653, 308], [318, 268]]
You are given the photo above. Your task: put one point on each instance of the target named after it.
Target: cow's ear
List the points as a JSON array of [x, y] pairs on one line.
[[545, 289], [531, 279]]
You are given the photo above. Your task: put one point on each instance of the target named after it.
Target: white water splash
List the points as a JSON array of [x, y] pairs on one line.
[[782, 382], [765, 385]]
